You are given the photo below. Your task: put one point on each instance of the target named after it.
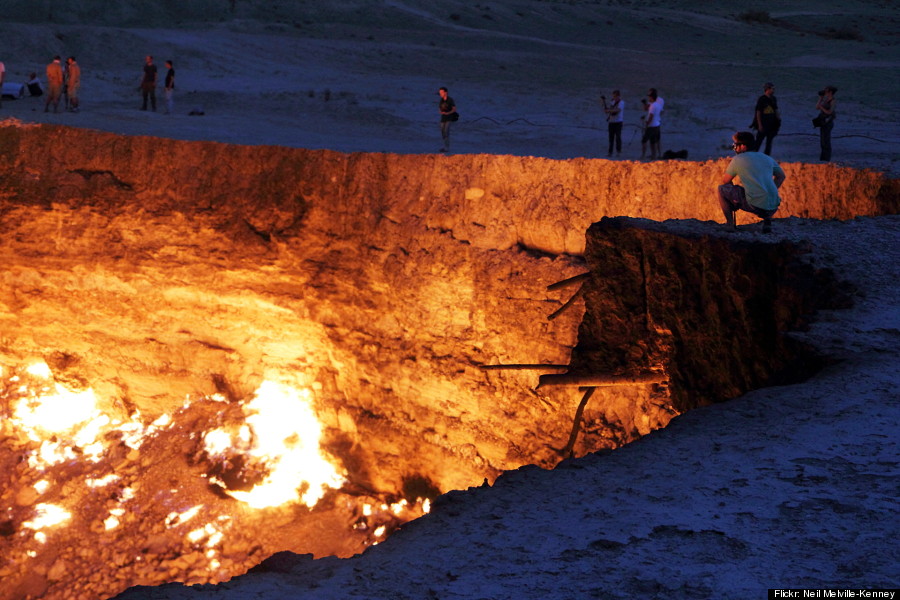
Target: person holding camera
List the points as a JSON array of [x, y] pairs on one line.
[[615, 112], [760, 178], [767, 119], [652, 123], [826, 108]]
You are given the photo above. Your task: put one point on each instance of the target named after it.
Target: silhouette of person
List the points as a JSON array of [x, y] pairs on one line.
[[447, 108], [54, 84], [73, 82], [615, 121], [827, 114], [148, 83], [169, 86], [766, 118]]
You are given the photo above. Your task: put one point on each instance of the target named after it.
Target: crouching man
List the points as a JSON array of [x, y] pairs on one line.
[[760, 178]]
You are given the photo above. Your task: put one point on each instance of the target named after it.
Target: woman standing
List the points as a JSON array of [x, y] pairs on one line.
[[826, 108]]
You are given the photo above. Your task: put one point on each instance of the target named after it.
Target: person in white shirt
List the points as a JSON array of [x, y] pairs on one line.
[[652, 125], [615, 119]]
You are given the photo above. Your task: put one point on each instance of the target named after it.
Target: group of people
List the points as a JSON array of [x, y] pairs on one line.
[[651, 120], [759, 174], [64, 83], [149, 83], [767, 119]]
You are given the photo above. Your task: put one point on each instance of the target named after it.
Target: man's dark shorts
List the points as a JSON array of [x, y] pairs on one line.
[[737, 198], [651, 134]]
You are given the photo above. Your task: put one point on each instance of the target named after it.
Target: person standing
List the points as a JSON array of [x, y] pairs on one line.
[[447, 108], [827, 114], [653, 124], [65, 85], [169, 86], [148, 83], [54, 84], [615, 117], [73, 82], [760, 177], [767, 119]]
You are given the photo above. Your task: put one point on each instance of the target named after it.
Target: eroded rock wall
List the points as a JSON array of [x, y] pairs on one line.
[[153, 270], [712, 312], [189, 267], [385, 277]]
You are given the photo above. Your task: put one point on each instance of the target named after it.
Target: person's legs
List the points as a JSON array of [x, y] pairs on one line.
[[153, 98], [765, 215], [53, 98], [612, 138], [617, 134], [169, 101], [770, 137], [760, 136], [730, 197], [145, 95], [825, 141], [445, 135], [655, 144]]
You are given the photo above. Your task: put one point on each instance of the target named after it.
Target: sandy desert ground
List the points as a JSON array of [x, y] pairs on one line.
[[526, 76]]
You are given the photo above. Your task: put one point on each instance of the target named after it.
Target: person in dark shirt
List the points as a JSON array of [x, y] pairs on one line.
[[447, 108], [148, 83], [827, 113], [169, 86], [767, 119]]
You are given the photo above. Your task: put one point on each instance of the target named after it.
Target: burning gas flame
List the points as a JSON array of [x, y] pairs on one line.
[[46, 515], [282, 434], [68, 424]]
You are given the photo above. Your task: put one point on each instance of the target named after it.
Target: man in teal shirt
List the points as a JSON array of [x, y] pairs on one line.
[[761, 177]]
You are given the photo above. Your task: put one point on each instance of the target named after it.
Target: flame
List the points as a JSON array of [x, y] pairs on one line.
[[281, 433], [39, 370], [60, 412], [68, 424], [112, 521], [176, 518], [47, 515]]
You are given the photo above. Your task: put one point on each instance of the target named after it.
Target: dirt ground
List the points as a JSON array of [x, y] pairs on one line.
[[526, 75]]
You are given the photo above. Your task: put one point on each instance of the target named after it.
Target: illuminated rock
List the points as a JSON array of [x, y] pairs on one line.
[[172, 279]]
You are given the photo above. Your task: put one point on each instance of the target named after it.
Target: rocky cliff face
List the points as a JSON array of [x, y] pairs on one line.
[[711, 312], [174, 278]]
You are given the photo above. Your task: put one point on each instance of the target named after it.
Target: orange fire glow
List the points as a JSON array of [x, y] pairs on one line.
[[281, 435]]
